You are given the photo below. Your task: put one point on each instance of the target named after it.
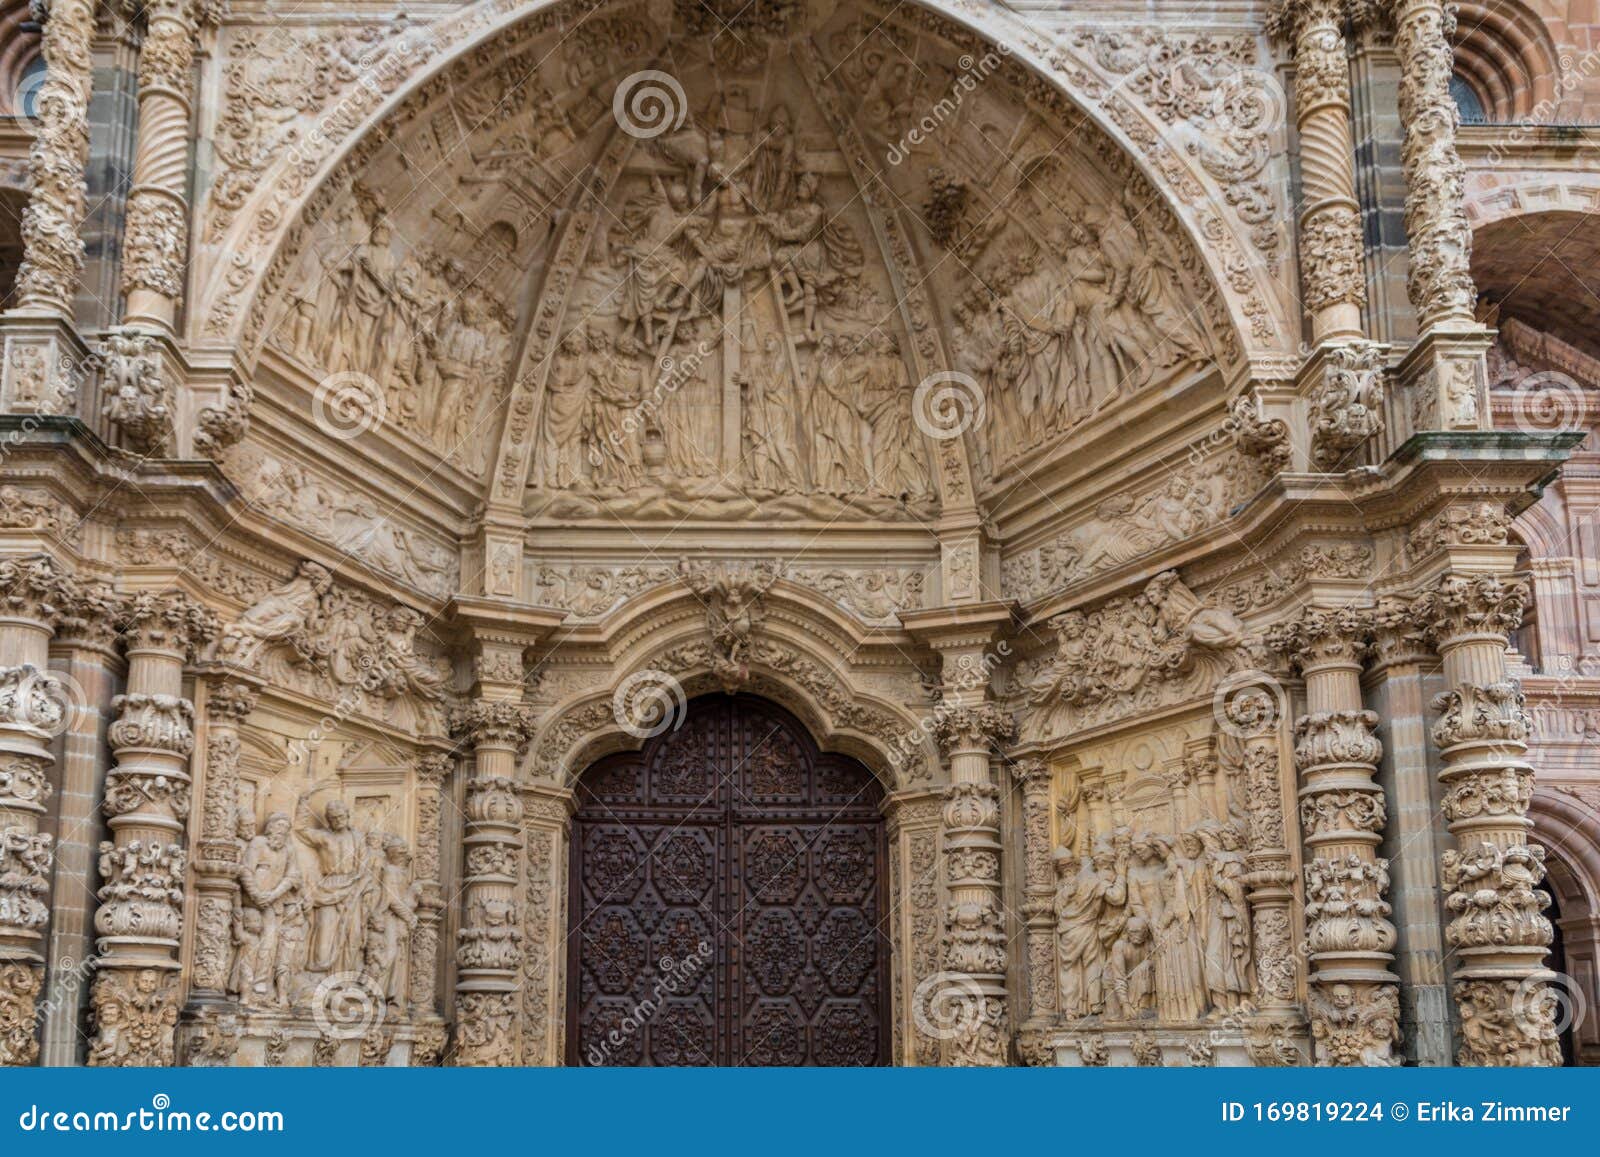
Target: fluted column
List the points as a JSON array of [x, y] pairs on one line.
[[1331, 274], [52, 260], [34, 705], [137, 987], [156, 234], [1254, 715], [1033, 776], [1498, 932], [1354, 1000], [230, 697], [489, 951], [433, 773], [1440, 241], [975, 927]]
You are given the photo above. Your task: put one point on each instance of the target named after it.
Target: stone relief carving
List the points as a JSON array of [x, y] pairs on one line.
[[340, 645], [137, 400], [346, 520], [1213, 85], [1131, 524], [1152, 921], [1161, 646]]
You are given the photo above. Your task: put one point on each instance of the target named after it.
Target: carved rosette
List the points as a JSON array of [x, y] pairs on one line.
[[1440, 279], [489, 947], [34, 706], [974, 925], [1342, 815], [52, 248], [147, 803], [1332, 278], [1498, 933]]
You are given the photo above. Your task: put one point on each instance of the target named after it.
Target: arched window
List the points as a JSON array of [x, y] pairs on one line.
[[26, 102], [1468, 103]]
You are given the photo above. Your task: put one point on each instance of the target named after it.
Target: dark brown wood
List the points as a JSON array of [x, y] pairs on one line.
[[728, 901]]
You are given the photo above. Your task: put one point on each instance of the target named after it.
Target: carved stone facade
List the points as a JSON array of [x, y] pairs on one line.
[[1012, 403]]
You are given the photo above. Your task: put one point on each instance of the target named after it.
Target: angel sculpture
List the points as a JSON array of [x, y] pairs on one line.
[[733, 611], [284, 613]]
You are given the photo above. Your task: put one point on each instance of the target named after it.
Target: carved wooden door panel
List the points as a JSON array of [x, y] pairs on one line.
[[727, 901]]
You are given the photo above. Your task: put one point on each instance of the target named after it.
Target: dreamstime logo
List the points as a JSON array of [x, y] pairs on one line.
[[1247, 703], [345, 1007], [649, 103], [45, 701], [672, 978], [1544, 403], [1547, 1005], [948, 404], [947, 1006], [348, 404], [1247, 103], [25, 102], [648, 703]]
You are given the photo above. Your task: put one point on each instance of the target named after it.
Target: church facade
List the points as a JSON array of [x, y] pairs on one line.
[[641, 532]]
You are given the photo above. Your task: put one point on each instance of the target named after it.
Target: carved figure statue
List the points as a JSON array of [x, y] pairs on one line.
[[282, 614], [337, 925]]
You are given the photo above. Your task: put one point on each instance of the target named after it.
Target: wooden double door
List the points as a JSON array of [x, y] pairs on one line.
[[727, 902]]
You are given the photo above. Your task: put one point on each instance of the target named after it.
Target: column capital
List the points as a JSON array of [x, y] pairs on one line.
[[973, 728], [1032, 774], [1460, 606], [486, 722], [35, 588], [1322, 636], [167, 620]]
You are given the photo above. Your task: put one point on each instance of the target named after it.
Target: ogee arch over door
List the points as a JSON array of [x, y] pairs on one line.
[[728, 900]]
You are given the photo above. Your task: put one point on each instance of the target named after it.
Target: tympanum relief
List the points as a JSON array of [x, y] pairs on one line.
[[739, 320]]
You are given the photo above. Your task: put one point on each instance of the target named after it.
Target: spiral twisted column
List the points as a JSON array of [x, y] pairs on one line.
[[156, 234], [489, 948], [34, 705], [1354, 998], [148, 791], [1498, 932], [1331, 273]]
